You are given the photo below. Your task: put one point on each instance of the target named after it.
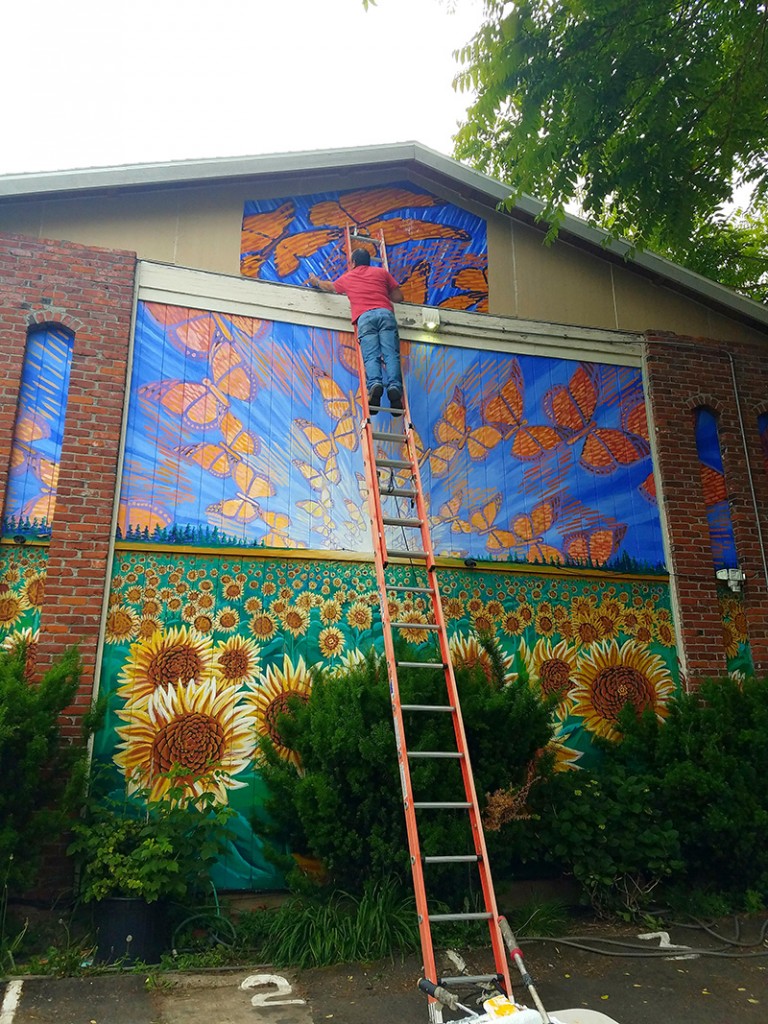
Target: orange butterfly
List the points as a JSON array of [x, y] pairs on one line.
[[314, 477], [450, 511], [200, 405], [218, 459], [531, 527], [453, 434], [356, 524], [325, 446], [360, 207], [319, 510], [483, 521], [142, 515], [635, 420], [347, 352], [648, 488], [260, 233], [277, 535], [415, 287], [596, 545], [243, 508], [474, 284], [504, 412], [572, 407]]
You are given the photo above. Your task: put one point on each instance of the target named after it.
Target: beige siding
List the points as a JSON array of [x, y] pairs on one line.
[[199, 228]]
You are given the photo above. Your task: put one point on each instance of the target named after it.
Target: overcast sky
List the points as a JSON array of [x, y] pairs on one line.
[[96, 83]]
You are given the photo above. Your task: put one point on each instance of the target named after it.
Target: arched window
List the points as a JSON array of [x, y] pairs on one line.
[[39, 432], [714, 489]]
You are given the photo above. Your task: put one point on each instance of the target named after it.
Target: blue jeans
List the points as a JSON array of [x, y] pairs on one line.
[[380, 342]]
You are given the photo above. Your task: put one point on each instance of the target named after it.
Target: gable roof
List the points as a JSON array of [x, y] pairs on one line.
[[430, 166]]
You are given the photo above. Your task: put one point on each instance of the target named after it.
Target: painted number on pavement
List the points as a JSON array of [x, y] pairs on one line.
[[269, 998]]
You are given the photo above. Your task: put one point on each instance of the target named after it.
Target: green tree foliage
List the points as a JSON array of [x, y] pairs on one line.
[[41, 776], [345, 803], [649, 114]]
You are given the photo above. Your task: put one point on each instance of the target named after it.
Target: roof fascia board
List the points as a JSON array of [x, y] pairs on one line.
[[480, 188], [222, 293]]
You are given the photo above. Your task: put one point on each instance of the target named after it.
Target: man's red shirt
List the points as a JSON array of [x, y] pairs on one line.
[[366, 288]]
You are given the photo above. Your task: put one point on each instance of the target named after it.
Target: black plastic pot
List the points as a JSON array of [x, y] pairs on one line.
[[130, 930]]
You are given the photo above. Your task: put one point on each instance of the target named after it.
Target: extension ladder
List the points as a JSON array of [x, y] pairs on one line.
[[406, 487]]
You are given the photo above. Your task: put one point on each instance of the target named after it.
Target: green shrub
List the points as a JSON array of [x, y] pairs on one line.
[[149, 849], [345, 804], [42, 776], [707, 767]]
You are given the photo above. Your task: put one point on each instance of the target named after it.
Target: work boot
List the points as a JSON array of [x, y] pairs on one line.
[[395, 396], [374, 397]]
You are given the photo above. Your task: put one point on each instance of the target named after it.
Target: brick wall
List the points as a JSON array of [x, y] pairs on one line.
[[89, 291], [682, 374]]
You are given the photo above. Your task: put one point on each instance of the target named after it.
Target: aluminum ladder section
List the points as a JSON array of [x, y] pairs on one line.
[[404, 487]]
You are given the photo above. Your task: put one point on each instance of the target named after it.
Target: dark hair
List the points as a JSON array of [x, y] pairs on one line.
[[361, 258]]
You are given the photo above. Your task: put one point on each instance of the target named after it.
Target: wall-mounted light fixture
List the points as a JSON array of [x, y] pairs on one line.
[[733, 577], [430, 319]]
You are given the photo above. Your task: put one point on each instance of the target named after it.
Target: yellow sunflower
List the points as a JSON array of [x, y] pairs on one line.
[[352, 659], [226, 619], [295, 620], [203, 622], [453, 608], [551, 667], [33, 591], [512, 624], [359, 615], [27, 638], [122, 625], [482, 622], [566, 758], [545, 623], [269, 698], [587, 628], [148, 626], [730, 640], [10, 609], [199, 731], [263, 626], [331, 641], [166, 658], [330, 612], [412, 635], [238, 660], [608, 677]]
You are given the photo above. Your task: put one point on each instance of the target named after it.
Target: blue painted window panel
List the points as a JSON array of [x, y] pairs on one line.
[[39, 432], [715, 490]]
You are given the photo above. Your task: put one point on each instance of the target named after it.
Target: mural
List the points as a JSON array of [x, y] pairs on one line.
[[735, 633], [715, 491], [22, 587], [202, 649], [436, 251], [39, 432], [245, 431]]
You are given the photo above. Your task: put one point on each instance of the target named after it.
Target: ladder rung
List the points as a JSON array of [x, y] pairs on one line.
[[415, 625], [396, 521], [421, 664], [469, 979], [385, 435], [479, 916], [393, 463], [442, 805], [460, 858], [435, 753], [411, 590], [366, 238], [396, 492], [427, 707], [405, 553]]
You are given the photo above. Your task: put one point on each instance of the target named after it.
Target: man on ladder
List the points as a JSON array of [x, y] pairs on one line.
[[371, 292]]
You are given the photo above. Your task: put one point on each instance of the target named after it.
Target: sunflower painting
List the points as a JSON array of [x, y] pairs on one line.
[[201, 700], [22, 584]]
